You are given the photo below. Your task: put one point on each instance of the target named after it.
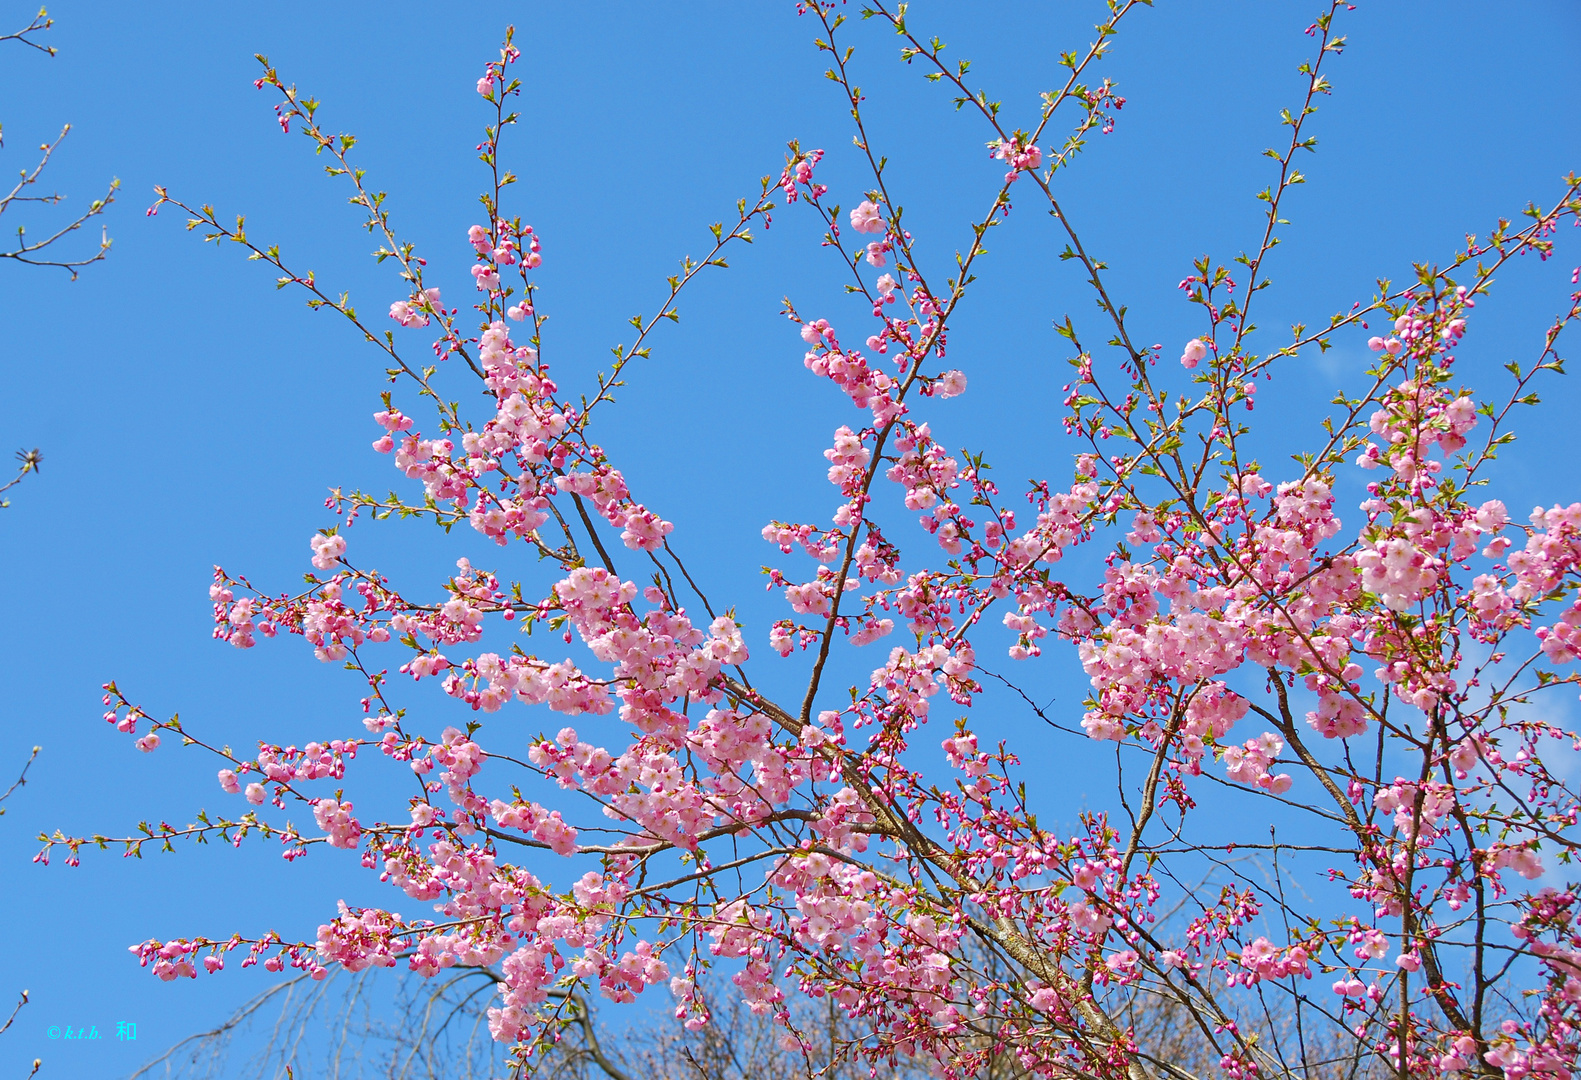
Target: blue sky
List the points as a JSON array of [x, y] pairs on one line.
[[189, 415]]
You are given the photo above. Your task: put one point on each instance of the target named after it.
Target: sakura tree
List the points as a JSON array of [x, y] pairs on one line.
[[1370, 677]]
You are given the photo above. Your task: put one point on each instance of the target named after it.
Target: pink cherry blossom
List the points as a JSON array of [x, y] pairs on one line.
[[1313, 733], [867, 217]]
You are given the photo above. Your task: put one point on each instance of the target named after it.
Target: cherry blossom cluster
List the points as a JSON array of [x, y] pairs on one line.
[[1259, 644]]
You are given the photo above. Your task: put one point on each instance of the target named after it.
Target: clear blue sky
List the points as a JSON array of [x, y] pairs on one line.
[[189, 415]]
